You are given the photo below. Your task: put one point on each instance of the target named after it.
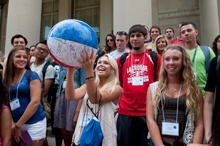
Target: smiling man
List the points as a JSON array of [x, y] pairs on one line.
[[197, 53], [135, 76]]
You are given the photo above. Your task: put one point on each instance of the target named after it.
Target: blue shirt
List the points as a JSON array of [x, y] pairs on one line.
[[24, 99]]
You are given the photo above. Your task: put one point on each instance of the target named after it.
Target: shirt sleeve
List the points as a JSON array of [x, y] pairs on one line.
[[211, 80], [34, 76], [158, 66], [50, 73]]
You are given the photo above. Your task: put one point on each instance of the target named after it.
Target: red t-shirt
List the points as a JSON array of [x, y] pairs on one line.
[[177, 41], [133, 97]]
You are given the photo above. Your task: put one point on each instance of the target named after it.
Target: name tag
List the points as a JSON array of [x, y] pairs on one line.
[[84, 119], [137, 81], [64, 84], [195, 75], [169, 128], [14, 104]]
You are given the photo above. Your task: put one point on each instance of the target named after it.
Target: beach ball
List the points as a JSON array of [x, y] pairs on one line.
[[68, 38]]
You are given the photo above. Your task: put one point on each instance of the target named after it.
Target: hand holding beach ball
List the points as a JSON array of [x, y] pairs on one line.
[[68, 39]]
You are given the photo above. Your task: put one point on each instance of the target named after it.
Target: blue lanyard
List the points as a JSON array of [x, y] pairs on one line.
[[194, 56]]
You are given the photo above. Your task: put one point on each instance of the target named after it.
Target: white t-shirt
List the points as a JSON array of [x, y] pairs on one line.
[[115, 54], [50, 73]]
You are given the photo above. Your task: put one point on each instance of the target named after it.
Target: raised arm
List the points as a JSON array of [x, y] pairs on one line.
[[151, 123], [93, 90], [70, 92], [198, 134]]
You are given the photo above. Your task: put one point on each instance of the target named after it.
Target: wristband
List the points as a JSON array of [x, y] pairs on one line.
[[89, 78]]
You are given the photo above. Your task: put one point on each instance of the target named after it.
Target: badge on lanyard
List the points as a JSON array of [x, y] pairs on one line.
[[170, 128], [14, 104], [137, 81], [84, 119]]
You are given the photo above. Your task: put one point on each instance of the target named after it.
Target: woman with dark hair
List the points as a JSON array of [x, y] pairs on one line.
[[216, 45], [155, 31], [175, 102], [5, 118], [24, 97], [110, 43]]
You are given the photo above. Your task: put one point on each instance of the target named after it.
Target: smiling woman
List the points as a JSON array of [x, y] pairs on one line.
[[24, 98], [102, 91], [175, 92]]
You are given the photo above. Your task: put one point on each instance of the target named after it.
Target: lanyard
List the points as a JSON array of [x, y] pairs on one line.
[[17, 88], [177, 104], [194, 56]]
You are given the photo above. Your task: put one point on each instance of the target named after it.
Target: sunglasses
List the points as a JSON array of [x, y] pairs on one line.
[[121, 33], [110, 40]]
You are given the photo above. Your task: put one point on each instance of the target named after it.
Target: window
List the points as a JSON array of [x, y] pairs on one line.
[[88, 11], [50, 16]]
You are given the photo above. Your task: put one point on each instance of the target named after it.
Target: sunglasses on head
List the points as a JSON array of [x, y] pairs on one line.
[[110, 40]]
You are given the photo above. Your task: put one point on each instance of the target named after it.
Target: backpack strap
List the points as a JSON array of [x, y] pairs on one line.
[[218, 63], [122, 59], [44, 71], [29, 76], [154, 58], [206, 53]]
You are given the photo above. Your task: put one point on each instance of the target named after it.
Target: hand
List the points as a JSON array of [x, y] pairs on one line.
[[88, 62], [16, 133], [75, 118]]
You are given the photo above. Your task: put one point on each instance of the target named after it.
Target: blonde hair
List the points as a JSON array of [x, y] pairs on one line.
[[155, 43], [189, 83], [112, 80]]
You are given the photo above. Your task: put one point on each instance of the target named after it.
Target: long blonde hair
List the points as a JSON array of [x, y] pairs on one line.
[[189, 83], [112, 80], [155, 44]]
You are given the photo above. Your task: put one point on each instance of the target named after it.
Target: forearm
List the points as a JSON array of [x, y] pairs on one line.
[[28, 113], [208, 113], [198, 134], [154, 132], [70, 87]]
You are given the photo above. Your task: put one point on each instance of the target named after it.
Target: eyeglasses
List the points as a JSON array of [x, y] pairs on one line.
[[110, 40], [218, 41], [122, 33], [42, 49]]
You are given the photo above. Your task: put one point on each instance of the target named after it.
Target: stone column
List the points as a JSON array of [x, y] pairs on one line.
[[24, 17], [129, 12], [209, 20]]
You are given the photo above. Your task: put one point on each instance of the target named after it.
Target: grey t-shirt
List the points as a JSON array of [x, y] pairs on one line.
[[115, 54]]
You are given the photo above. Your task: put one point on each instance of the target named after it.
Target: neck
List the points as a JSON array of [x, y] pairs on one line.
[[139, 51], [169, 39], [153, 41], [179, 36], [113, 48], [121, 50], [190, 45], [174, 79], [102, 82], [19, 72], [39, 61]]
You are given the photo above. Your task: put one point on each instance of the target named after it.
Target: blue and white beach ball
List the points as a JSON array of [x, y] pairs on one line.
[[68, 38]]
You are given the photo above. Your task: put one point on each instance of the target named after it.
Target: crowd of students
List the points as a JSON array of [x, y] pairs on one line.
[[170, 97]]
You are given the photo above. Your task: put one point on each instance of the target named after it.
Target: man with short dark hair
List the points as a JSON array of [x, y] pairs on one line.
[[189, 32], [19, 40], [178, 39], [121, 43], [41, 53], [135, 76], [169, 32]]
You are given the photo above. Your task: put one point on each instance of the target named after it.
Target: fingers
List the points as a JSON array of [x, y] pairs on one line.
[[21, 137]]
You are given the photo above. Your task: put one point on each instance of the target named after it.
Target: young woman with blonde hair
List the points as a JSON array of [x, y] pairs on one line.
[[100, 91], [175, 102], [160, 44]]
